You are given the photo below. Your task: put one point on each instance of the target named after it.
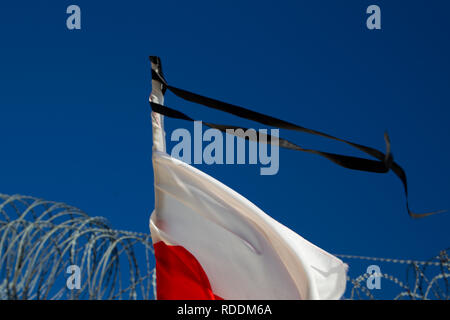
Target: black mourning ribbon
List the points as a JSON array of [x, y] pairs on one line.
[[383, 164]]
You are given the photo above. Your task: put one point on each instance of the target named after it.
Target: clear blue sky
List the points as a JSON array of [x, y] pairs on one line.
[[75, 127]]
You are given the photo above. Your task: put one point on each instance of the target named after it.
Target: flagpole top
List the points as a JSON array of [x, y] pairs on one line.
[[157, 73], [156, 63]]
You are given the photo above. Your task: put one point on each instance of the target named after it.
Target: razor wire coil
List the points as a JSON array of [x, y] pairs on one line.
[[40, 239]]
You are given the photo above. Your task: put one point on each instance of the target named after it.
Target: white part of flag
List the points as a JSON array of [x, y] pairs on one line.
[[244, 252]]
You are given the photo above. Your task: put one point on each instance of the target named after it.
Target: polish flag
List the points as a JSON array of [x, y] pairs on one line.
[[212, 243]]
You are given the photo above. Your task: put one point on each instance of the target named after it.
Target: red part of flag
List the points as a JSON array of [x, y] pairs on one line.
[[179, 276]]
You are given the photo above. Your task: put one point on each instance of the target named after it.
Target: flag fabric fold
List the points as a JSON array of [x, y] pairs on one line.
[[210, 242]]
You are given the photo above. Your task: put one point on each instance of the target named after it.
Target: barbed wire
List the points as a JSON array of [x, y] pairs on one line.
[[425, 280], [401, 261], [40, 239]]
